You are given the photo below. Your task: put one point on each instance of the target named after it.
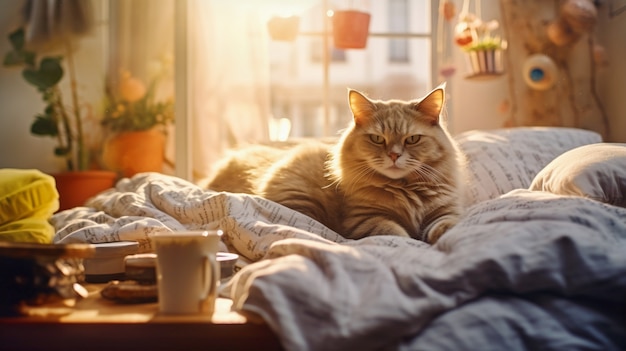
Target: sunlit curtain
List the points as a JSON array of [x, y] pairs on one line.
[[228, 73], [141, 36]]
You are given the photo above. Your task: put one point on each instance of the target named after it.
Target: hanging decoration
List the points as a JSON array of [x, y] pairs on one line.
[[540, 72], [554, 60], [447, 12], [283, 16], [284, 28], [350, 29], [576, 18], [475, 38]]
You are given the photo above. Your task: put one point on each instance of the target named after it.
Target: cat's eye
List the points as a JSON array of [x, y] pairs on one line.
[[413, 139], [377, 139]]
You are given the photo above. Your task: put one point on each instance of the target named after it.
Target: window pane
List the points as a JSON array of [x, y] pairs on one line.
[[297, 70], [398, 23]]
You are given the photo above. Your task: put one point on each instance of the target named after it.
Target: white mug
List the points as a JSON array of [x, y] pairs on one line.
[[187, 271]]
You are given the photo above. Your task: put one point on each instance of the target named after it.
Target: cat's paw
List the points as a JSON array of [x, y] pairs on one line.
[[379, 227], [438, 228], [387, 227]]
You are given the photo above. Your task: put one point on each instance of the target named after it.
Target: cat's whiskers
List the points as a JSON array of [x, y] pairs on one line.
[[430, 174], [361, 174]]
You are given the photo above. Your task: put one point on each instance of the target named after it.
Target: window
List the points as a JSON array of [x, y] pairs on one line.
[[227, 47], [398, 23], [317, 52], [310, 95]]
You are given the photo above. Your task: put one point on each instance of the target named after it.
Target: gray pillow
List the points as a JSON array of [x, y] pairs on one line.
[[500, 160], [596, 171]]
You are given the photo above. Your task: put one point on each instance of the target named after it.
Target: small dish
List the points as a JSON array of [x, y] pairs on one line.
[[107, 263], [141, 268], [227, 262]]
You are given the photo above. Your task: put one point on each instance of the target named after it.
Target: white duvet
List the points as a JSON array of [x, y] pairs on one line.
[[525, 271]]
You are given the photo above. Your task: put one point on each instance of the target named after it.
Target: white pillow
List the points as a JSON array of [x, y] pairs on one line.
[[596, 171], [502, 160]]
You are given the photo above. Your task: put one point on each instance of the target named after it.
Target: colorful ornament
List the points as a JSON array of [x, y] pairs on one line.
[[580, 15], [463, 34], [559, 33], [447, 71], [576, 17], [540, 72], [599, 55], [449, 10]]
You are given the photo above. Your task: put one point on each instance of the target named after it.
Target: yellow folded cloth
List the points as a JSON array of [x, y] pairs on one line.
[[28, 198]]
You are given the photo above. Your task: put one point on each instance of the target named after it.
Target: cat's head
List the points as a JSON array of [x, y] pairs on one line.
[[397, 139]]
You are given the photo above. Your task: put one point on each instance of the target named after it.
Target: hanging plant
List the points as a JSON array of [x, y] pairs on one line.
[[283, 28], [484, 50], [350, 29]]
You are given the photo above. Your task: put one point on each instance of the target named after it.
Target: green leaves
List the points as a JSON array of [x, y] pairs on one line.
[[48, 75], [17, 39], [45, 124], [62, 151], [18, 56], [45, 74]]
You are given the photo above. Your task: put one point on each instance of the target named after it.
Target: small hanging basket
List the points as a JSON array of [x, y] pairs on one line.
[[483, 49], [350, 29], [284, 28], [485, 63]]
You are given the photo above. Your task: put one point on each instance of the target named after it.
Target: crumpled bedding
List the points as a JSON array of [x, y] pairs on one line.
[[526, 271]]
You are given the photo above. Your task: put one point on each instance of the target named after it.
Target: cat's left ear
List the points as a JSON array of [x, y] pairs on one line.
[[362, 107], [432, 104]]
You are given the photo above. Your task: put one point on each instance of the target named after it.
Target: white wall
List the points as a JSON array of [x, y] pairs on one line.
[[21, 102], [614, 75], [479, 104], [475, 104]]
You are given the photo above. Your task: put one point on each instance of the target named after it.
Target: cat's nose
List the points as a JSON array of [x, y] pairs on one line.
[[394, 156]]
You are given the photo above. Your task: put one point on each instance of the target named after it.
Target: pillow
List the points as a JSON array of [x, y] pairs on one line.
[[28, 198], [596, 171], [501, 160]]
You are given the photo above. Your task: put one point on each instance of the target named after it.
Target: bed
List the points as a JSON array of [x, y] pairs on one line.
[[538, 261]]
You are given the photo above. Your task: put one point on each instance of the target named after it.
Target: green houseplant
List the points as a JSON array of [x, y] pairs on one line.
[[136, 120], [58, 120], [135, 107]]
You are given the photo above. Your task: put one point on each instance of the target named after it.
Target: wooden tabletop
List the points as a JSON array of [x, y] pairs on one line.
[[95, 323]]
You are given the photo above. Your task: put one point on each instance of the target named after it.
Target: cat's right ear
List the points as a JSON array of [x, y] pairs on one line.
[[432, 104], [362, 107]]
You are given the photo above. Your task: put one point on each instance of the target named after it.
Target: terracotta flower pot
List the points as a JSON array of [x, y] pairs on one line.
[[129, 153], [350, 29], [284, 28], [76, 187]]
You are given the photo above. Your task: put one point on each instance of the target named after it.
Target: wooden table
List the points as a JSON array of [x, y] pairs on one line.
[[100, 324]]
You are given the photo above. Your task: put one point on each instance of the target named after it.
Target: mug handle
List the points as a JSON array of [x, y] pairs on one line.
[[211, 278]]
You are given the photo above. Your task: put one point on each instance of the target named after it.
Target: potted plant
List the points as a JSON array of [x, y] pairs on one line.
[[350, 29], [78, 182], [283, 28], [484, 51], [136, 121]]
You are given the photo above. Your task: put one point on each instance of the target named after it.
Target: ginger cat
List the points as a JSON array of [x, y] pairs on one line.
[[394, 171]]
